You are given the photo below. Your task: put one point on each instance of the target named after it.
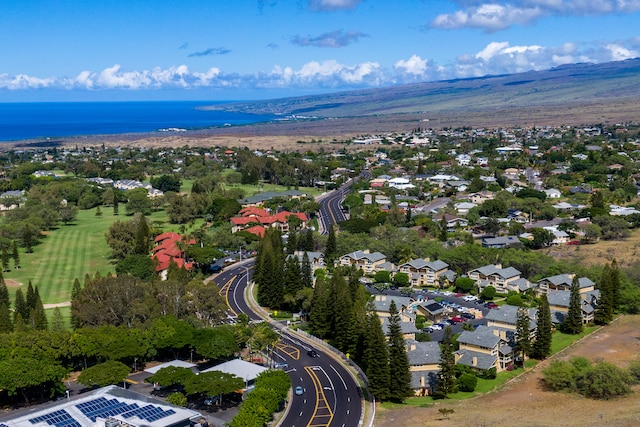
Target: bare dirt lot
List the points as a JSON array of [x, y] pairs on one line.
[[524, 402]]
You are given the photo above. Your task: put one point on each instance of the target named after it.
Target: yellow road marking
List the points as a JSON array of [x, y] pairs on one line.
[[322, 414], [225, 290], [289, 350]]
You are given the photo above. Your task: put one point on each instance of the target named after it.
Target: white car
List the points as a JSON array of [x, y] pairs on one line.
[[470, 298]]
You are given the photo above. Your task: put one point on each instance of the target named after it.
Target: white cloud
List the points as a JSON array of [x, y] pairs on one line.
[[620, 53], [414, 65], [498, 15], [330, 5], [498, 57]]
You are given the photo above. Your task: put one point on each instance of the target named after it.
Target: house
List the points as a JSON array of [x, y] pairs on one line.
[[500, 242], [452, 221], [494, 275], [553, 193], [506, 317], [481, 197], [559, 305], [423, 272], [485, 348], [424, 364], [559, 237], [431, 310], [562, 282], [316, 259], [382, 302], [463, 208], [364, 260], [408, 328], [252, 216], [170, 248]]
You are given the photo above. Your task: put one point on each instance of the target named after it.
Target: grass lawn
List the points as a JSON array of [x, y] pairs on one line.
[[72, 251], [561, 341]]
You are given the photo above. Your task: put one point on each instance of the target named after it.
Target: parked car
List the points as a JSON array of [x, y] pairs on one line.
[[470, 298], [468, 316], [436, 327], [428, 330], [480, 301], [491, 305], [457, 319]]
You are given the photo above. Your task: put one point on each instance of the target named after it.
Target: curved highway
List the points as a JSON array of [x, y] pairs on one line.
[[331, 211], [330, 396]]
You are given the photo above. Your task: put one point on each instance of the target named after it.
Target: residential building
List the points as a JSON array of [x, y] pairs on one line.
[[559, 305], [481, 197], [364, 260], [423, 272], [494, 275], [500, 242], [562, 282], [485, 348], [424, 363]]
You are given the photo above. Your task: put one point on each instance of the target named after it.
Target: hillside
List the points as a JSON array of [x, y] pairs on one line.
[[570, 94]]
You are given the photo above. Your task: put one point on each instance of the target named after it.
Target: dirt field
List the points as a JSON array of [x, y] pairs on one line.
[[523, 402]]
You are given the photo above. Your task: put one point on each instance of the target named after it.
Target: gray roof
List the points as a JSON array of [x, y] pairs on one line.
[[313, 256], [522, 284], [450, 275], [508, 314], [483, 360], [491, 269], [425, 353], [483, 336], [420, 263], [373, 257], [500, 241], [383, 305], [566, 280], [406, 327]]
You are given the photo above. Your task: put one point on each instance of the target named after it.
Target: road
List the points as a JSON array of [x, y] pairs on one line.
[[331, 396], [331, 211]]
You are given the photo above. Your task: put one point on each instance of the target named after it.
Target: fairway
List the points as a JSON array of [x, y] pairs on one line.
[[67, 253]]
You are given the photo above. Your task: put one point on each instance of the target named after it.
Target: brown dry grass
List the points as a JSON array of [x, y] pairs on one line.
[[524, 402], [626, 252]]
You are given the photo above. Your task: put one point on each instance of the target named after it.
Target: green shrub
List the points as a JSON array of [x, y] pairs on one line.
[[467, 382]]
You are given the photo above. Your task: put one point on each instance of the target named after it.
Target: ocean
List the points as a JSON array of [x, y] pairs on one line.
[[42, 120]]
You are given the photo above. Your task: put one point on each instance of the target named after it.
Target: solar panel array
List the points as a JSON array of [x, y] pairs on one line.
[[60, 418], [104, 408]]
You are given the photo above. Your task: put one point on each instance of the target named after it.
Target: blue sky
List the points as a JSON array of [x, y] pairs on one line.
[[63, 50]]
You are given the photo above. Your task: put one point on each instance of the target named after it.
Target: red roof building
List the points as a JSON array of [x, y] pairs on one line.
[[167, 250]]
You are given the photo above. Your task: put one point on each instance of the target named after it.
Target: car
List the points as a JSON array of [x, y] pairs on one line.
[[457, 319], [491, 305], [281, 365], [459, 294], [470, 298], [299, 390], [312, 353], [480, 301], [436, 327], [468, 316], [215, 268]]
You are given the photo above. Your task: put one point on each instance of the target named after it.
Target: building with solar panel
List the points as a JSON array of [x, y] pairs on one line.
[[106, 407]]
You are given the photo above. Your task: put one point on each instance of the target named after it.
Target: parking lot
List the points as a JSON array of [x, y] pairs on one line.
[[458, 307]]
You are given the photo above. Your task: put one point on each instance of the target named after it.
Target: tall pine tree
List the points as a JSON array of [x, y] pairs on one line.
[[400, 373], [573, 321], [523, 335], [142, 237], [342, 314], [320, 315], [306, 272], [15, 255], [447, 374], [542, 343], [376, 357], [331, 249], [604, 309], [21, 309]]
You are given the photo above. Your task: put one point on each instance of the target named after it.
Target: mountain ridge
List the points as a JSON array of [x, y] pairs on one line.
[[566, 86]]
